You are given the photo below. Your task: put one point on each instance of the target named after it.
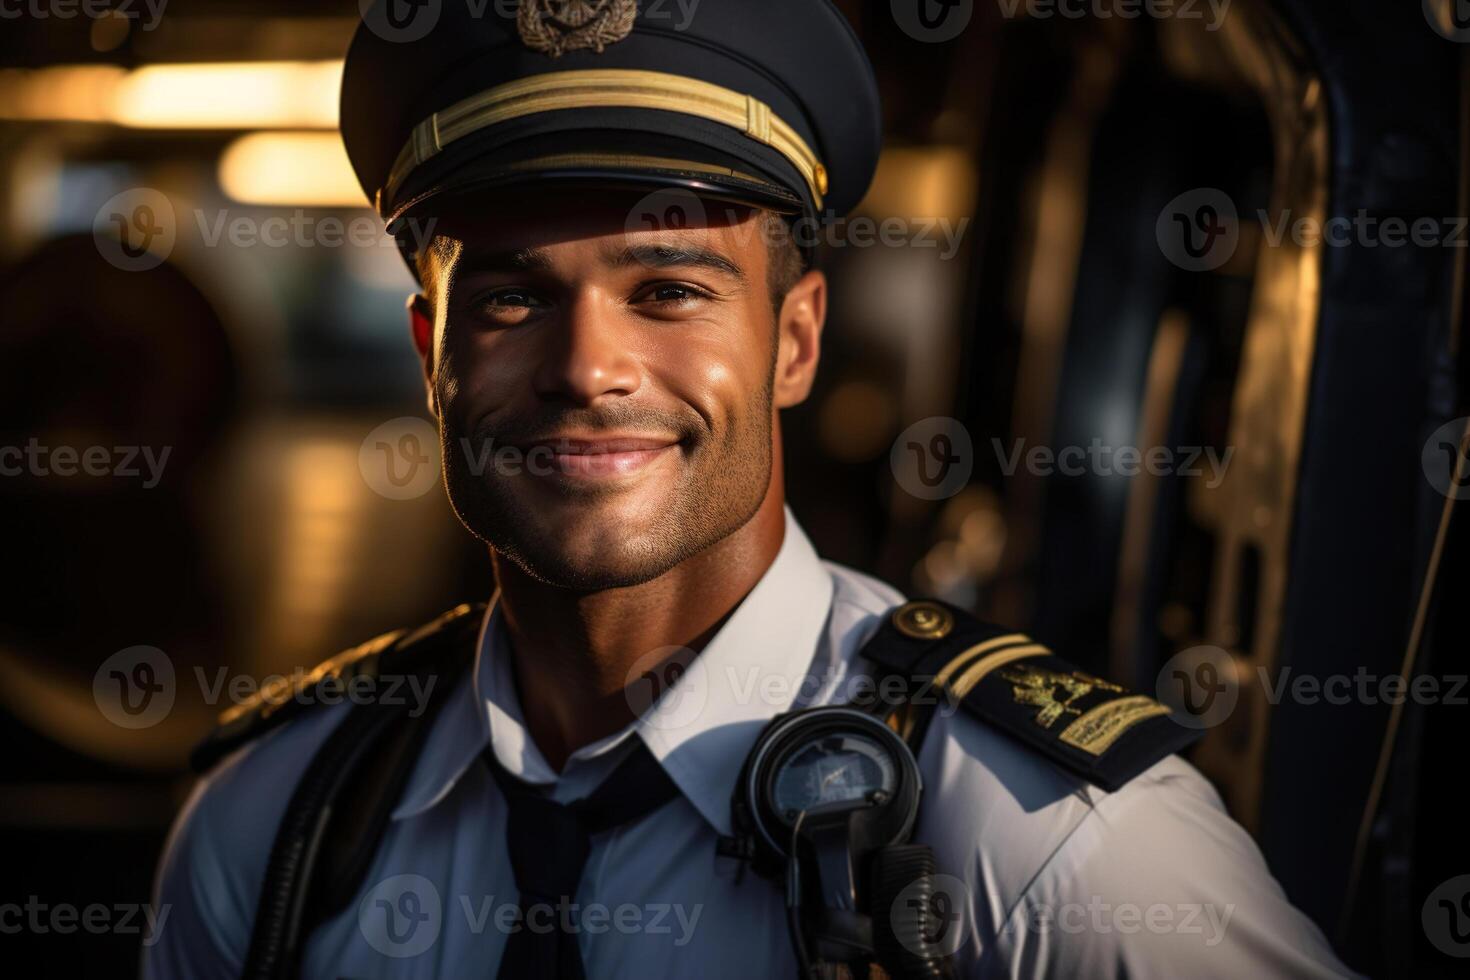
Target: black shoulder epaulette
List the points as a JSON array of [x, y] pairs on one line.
[[1090, 727], [420, 652]]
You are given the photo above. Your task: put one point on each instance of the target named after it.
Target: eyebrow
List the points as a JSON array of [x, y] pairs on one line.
[[515, 260], [659, 255]]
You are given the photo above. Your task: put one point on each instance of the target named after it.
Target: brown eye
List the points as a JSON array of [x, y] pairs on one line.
[[672, 294], [509, 298], [507, 306]]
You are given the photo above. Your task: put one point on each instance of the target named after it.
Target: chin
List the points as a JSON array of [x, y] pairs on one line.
[[589, 537], [591, 555]]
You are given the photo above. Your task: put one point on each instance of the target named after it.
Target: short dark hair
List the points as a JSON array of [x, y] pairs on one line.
[[786, 263]]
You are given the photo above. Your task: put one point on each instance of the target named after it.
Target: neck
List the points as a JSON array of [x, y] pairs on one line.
[[575, 650]]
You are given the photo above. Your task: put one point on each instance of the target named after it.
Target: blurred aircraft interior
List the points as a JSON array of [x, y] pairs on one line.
[[1052, 147]]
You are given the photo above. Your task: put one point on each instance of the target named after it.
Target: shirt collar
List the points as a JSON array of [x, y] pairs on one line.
[[702, 728]]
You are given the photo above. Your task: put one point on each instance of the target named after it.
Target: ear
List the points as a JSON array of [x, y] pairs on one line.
[[799, 332], [421, 324]]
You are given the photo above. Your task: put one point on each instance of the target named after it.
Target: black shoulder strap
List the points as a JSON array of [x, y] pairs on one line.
[[1090, 727], [340, 807]]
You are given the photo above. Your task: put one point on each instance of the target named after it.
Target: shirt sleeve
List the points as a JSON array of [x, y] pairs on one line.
[[1158, 881], [203, 931]]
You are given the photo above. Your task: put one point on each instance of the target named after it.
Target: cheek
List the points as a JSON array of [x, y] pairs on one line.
[[482, 369], [720, 379]]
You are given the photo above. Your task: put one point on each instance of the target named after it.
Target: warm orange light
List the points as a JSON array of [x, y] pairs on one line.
[[74, 93], [239, 95], [299, 169], [226, 95]]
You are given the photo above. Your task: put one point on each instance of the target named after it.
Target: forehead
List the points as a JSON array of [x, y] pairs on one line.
[[495, 224]]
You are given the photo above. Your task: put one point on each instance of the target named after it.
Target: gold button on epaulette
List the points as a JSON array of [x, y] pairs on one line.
[[923, 620]]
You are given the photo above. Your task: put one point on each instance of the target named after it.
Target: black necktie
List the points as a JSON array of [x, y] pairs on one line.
[[549, 843]]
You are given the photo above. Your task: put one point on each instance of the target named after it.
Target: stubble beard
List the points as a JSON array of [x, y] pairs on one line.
[[720, 486]]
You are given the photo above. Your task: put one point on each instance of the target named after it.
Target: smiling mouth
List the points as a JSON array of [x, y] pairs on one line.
[[599, 456]]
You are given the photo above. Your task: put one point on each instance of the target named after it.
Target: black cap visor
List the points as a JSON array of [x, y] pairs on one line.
[[620, 158]]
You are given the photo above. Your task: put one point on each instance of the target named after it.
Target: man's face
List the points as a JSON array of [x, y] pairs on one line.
[[605, 396]]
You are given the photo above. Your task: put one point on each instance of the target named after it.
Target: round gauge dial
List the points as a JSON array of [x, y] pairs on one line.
[[837, 769]]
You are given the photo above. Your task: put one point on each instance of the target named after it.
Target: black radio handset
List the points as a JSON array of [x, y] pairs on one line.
[[827, 800]]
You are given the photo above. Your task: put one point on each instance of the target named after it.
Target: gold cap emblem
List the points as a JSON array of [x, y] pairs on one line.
[[923, 620], [557, 26]]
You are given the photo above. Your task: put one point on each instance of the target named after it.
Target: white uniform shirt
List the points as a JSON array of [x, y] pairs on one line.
[[1062, 879]]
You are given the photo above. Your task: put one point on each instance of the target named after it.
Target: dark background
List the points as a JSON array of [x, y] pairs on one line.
[[1064, 143]]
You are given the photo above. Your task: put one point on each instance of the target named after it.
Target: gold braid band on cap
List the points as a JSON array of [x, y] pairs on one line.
[[610, 88]]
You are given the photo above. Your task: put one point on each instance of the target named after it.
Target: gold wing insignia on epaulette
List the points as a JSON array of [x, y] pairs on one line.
[[1038, 687]]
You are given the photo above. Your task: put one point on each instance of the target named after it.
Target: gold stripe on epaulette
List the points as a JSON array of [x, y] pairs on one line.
[[966, 681], [959, 662], [1099, 728], [992, 653], [607, 88]]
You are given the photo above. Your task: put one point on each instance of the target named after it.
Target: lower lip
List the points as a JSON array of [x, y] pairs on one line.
[[599, 465]]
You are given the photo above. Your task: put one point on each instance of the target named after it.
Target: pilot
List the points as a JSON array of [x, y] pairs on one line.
[[597, 198]]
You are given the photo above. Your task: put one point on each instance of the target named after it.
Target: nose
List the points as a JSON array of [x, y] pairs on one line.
[[588, 355]]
